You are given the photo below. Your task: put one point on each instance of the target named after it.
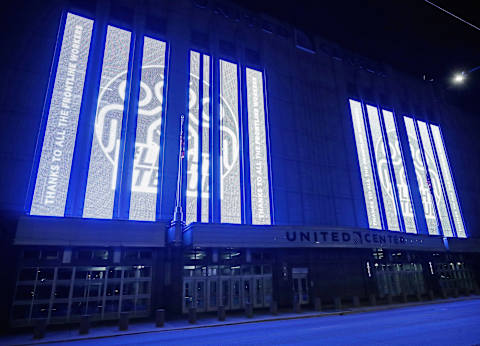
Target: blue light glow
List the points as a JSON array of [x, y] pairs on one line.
[[149, 124], [53, 175], [420, 172], [104, 158], [448, 181], [364, 161], [396, 157], [259, 182], [230, 197], [386, 185]]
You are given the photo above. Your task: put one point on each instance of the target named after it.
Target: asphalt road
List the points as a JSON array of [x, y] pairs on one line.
[[455, 323]]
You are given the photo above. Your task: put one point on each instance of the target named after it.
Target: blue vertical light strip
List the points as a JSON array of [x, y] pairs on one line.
[[148, 132], [193, 138], [435, 179], [52, 180], [396, 158], [365, 165], [448, 181], [206, 128], [421, 174], [385, 179], [259, 175], [230, 194], [104, 158]]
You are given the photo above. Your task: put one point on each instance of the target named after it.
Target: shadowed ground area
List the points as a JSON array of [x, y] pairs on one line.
[[455, 323]]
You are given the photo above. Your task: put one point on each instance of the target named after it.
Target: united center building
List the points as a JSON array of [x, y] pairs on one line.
[[307, 171]]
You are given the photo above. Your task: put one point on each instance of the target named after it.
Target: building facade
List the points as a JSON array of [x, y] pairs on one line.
[[308, 171]]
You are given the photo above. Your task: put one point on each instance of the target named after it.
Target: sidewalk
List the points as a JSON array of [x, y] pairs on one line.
[[202, 322]]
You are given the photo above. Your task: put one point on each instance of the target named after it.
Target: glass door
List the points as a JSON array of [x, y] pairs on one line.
[[213, 294], [225, 293], [236, 302]]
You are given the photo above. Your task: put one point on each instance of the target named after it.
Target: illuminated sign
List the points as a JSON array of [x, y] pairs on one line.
[[383, 170], [193, 138], [259, 181], [420, 172], [205, 176], [149, 124], [448, 181], [53, 174], [396, 158], [104, 158], [230, 197], [364, 161], [434, 179]]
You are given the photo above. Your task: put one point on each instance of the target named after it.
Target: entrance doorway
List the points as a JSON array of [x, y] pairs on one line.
[[207, 288], [300, 285]]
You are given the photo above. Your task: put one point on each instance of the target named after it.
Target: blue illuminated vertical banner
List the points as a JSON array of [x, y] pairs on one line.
[[149, 124], [206, 116], [386, 185], [365, 163], [230, 195], [448, 181], [51, 185], [396, 157], [193, 138], [104, 157], [435, 182], [259, 172], [422, 177]]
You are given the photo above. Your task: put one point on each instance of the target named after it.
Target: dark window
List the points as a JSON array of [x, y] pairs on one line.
[[64, 273], [50, 254], [61, 291], [28, 274], [59, 309], [84, 255], [145, 254], [24, 292], [20, 312], [31, 254]]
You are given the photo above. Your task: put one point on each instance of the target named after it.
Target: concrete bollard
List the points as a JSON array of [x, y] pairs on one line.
[[274, 308], [419, 296], [404, 297], [192, 315], [123, 323], [372, 299], [297, 307], [221, 313], [356, 301], [159, 317], [389, 299], [431, 295], [39, 328], [318, 304], [84, 324], [248, 310], [337, 302]]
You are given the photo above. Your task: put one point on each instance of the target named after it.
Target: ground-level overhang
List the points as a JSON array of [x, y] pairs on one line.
[[247, 236], [62, 231]]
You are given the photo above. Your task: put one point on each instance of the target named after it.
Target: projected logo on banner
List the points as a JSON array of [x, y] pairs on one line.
[[198, 135], [437, 188], [391, 178], [51, 185], [149, 122], [230, 204], [104, 158], [396, 157]]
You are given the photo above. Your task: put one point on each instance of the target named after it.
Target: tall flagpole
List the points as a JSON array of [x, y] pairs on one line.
[[178, 214]]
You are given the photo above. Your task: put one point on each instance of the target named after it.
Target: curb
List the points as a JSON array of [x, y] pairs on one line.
[[273, 319]]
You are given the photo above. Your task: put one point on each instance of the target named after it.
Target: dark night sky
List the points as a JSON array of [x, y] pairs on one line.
[[410, 35]]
